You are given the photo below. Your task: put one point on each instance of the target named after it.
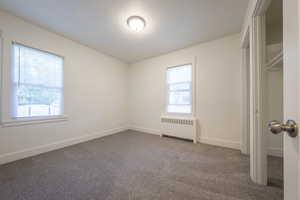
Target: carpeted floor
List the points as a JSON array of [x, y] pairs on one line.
[[134, 166], [275, 171]]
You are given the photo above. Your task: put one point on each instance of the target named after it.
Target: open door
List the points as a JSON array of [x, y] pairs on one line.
[[291, 99], [254, 28], [291, 102]]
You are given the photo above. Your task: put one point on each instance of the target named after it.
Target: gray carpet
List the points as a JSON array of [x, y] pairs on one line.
[[134, 166], [275, 171]]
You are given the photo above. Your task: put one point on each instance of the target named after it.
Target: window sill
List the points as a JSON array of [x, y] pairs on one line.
[[178, 116], [29, 121]]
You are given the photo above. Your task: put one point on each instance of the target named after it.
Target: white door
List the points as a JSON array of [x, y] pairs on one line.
[[291, 71]]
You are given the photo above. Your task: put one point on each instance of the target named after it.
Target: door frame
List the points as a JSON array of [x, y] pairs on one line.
[[253, 33], [1, 73], [245, 80]]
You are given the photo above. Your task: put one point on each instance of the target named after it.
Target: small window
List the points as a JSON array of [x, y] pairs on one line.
[[179, 85], [37, 83]]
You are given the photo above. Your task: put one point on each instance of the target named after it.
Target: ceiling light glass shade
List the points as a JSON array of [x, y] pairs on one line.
[[136, 23]]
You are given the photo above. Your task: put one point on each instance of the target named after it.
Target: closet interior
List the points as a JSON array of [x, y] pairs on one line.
[[274, 89]]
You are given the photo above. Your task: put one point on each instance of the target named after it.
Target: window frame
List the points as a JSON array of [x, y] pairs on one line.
[[34, 119], [167, 91]]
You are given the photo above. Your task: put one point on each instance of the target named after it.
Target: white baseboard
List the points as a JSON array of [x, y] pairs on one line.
[[275, 152], [221, 143], [10, 157], [216, 142], [145, 130]]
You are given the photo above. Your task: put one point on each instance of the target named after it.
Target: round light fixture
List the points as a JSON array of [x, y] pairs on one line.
[[136, 23]]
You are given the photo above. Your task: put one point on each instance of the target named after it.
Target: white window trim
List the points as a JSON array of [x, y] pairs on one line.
[[1, 75], [192, 114], [21, 121]]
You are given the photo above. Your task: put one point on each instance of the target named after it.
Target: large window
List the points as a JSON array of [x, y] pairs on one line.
[[179, 84], [37, 83]]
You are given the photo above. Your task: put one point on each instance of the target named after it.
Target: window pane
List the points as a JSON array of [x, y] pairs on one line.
[[38, 101], [179, 74], [179, 86], [185, 109], [179, 98], [180, 92], [38, 83]]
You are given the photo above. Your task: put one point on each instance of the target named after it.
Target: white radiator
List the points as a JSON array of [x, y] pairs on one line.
[[180, 127]]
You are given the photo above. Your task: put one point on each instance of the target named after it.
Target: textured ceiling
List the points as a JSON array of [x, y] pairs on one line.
[[101, 24]]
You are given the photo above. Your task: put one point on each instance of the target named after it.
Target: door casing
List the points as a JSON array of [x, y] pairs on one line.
[[254, 35]]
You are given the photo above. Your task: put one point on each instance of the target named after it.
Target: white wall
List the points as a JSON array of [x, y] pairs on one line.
[[218, 92], [95, 93]]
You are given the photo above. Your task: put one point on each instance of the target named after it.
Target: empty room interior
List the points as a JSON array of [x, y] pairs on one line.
[[139, 99]]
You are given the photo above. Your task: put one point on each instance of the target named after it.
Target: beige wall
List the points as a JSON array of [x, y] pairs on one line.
[[95, 93], [218, 90]]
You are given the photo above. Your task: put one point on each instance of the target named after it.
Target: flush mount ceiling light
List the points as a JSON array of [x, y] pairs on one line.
[[136, 23]]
